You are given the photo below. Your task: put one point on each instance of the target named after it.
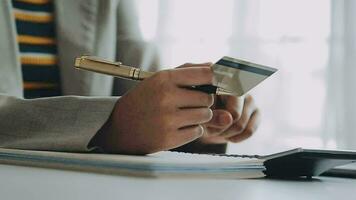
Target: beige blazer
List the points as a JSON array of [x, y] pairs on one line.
[[106, 28]]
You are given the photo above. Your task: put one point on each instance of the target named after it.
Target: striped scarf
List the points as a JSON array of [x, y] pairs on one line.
[[36, 37]]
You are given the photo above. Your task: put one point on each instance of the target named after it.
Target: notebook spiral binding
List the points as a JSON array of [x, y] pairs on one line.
[[238, 156]]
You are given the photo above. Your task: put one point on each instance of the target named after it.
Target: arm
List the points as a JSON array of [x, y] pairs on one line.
[[159, 114], [58, 124]]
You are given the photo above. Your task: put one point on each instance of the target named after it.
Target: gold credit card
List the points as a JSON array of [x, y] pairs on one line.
[[237, 76]]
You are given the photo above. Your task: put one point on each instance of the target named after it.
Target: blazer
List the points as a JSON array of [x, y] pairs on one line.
[[105, 28]]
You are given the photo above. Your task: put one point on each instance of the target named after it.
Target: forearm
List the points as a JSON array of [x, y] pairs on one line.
[[60, 124]]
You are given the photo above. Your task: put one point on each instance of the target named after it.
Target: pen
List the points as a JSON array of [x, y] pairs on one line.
[[117, 69]]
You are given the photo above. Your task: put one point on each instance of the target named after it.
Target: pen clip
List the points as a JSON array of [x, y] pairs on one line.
[[100, 60]]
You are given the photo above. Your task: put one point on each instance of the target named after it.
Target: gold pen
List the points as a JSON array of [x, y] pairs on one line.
[[120, 70]]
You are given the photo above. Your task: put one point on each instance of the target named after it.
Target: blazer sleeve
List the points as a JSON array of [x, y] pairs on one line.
[[65, 123]]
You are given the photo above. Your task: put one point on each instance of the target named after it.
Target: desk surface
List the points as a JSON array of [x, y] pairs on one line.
[[36, 183]]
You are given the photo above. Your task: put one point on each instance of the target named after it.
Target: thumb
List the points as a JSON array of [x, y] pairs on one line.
[[205, 64]]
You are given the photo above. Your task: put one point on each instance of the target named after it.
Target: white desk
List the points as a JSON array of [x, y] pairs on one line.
[[27, 183]]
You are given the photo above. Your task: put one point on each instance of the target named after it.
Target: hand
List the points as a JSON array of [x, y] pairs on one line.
[[234, 120], [160, 113]]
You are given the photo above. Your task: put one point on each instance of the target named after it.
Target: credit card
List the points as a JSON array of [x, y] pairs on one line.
[[238, 76]]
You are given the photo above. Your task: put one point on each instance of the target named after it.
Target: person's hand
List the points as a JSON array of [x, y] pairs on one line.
[[160, 113], [234, 119]]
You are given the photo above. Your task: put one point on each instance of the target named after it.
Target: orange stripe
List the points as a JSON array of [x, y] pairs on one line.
[[27, 39], [33, 18], [37, 86], [35, 1], [27, 60]]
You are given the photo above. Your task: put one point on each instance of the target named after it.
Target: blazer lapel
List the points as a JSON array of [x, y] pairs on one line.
[[76, 32], [10, 76]]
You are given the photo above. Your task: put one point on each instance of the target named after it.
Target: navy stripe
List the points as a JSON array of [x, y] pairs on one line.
[[29, 48], [32, 7], [34, 73], [48, 74], [245, 67], [35, 29]]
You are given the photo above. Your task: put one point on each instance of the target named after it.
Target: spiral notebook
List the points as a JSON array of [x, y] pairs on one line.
[[162, 164], [293, 163]]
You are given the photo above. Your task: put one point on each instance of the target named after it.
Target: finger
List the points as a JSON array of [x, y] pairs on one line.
[[239, 126], [192, 76], [188, 98], [249, 130], [211, 131], [221, 120], [186, 135], [193, 116], [214, 139], [232, 104], [195, 65]]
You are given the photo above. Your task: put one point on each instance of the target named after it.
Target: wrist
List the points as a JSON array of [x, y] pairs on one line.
[[100, 140]]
